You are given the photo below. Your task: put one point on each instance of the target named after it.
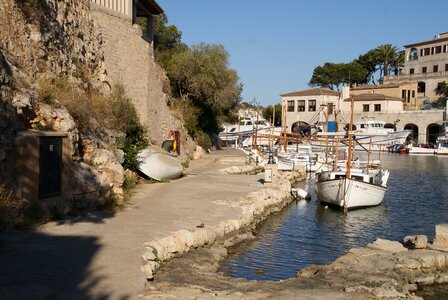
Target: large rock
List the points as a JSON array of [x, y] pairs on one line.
[[386, 245], [441, 238], [416, 241]]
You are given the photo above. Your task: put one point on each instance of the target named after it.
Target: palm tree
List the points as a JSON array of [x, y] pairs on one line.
[[397, 61], [386, 54]]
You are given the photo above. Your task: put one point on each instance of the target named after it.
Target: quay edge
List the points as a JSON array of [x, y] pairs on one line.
[[255, 207]]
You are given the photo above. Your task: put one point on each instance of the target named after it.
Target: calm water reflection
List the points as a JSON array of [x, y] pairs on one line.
[[307, 233]]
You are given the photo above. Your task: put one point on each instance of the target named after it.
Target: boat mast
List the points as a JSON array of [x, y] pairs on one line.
[[326, 137], [336, 159], [350, 138]]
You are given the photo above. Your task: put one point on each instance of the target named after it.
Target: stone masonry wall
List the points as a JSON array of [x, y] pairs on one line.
[[129, 61]]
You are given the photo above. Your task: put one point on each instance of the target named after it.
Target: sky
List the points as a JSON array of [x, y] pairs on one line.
[[274, 46]]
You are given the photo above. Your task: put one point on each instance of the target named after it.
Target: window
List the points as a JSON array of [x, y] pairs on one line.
[[435, 68], [446, 67], [413, 54], [330, 108], [444, 48], [413, 93], [411, 71], [426, 51], [421, 87], [403, 94], [311, 105], [424, 70], [290, 106], [365, 107], [432, 50], [301, 105], [438, 49], [377, 107]]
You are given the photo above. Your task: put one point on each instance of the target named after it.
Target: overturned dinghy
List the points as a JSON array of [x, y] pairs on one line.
[[159, 166]]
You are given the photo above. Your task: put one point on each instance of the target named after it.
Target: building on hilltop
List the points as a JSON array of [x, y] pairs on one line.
[[372, 103], [407, 91], [132, 10], [426, 63]]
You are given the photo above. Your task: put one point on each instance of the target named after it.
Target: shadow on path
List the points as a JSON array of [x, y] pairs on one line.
[[39, 266]]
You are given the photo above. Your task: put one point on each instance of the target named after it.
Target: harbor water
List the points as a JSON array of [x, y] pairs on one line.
[[307, 232]]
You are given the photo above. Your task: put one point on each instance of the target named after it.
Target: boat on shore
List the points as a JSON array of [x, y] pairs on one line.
[[159, 166]]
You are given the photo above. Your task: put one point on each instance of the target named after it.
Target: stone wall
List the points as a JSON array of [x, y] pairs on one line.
[[129, 61], [43, 39]]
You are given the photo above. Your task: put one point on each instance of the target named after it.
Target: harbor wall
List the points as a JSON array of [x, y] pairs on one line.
[[255, 208]]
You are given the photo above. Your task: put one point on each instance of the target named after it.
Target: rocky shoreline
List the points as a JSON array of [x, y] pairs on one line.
[[381, 270]]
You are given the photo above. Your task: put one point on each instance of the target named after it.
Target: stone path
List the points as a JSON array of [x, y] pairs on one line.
[[98, 256]]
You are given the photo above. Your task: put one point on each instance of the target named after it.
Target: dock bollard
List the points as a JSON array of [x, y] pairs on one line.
[[267, 176]]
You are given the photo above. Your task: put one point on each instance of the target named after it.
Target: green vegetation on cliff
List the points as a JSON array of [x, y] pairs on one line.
[[94, 112], [202, 84]]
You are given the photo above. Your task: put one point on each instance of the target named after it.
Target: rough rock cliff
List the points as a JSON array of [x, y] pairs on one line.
[[52, 38]]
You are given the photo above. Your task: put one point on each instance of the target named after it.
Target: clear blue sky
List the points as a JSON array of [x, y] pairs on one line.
[[275, 45]]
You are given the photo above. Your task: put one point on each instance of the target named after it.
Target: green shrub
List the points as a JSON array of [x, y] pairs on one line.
[[186, 163], [89, 108], [203, 140]]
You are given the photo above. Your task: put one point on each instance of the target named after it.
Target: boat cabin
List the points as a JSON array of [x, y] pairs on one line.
[[372, 126], [356, 176]]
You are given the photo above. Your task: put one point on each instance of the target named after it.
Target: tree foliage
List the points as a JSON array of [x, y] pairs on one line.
[[167, 40], [442, 89], [332, 75], [201, 75], [204, 86], [384, 58], [268, 112]]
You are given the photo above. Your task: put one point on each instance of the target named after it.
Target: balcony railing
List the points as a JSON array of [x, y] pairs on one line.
[[415, 77], [120, 6]]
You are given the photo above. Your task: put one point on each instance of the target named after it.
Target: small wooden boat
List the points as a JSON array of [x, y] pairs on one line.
[[159, 166]]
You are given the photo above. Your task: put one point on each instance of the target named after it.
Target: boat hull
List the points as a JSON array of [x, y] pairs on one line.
[[355, 193], [422, 151], [159, 166]]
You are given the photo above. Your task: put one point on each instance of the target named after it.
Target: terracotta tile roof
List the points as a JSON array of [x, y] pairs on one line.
[[312, 92], [372, 97]]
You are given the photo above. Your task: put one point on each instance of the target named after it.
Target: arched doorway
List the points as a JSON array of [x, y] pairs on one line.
[[414, 128], [433, 130]]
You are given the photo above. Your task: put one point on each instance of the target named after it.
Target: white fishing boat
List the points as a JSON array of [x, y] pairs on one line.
[[422, 150], [296, 156], [440, 149], [370, 131], [352, 188], [159, 166], [246, 129], [442, 145]]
